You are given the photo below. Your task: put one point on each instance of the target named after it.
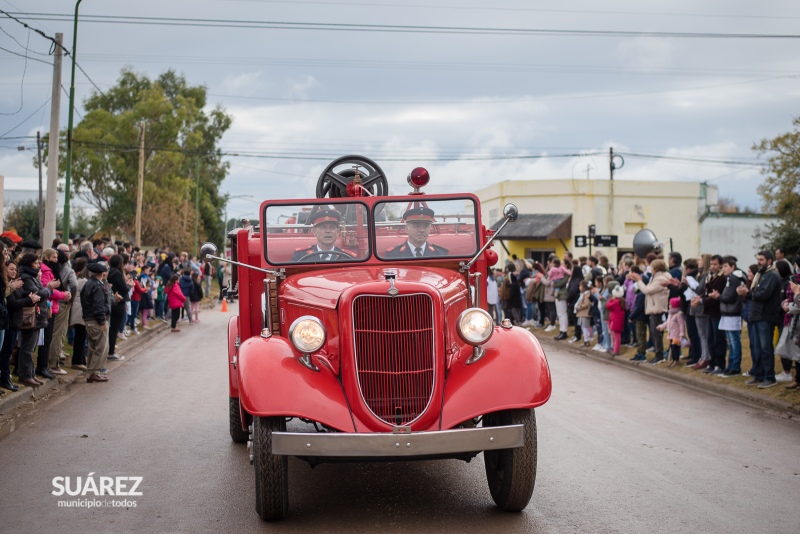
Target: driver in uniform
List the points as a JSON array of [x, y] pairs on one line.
[[418, 226], [326, 230]]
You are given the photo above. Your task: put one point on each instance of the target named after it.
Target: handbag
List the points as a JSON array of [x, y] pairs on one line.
[[29, 318]]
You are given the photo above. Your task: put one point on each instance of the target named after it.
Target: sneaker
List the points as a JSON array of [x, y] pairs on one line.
[[527, 323], [717, 371], [639, 358], [58, 371], [650, 350], [727, 373], [753, 382], [116, 357], [550, 328], [767, 384], [746, 373], [537, 325], [573, 339], [135, 332], [656, 360], [708, 370], [597, 346], [602, 350], [784, 377]]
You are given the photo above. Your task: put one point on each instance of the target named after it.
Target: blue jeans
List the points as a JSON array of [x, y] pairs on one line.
[[763, 352], [735, 346], [160, 309], [134, 313], [606, 337], [529, 307]]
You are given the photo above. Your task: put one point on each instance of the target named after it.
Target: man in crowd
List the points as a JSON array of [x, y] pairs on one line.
[[766, 294], [717, 344], [96, 311]]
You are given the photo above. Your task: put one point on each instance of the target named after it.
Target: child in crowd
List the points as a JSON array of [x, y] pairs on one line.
[[195, 297], [596, 311], [160, 298], [582, 308], [175, 300], [675, 326], [616, 317]]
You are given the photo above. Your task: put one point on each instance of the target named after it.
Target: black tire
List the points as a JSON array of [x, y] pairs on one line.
[[235, 421], [511, 473], [272, 471]]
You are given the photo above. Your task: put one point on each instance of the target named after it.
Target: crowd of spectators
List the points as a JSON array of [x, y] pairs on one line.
[[91, 295], [702, 304]]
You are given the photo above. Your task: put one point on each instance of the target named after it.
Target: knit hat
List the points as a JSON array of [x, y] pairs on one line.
[[675, 302], [618, 292]]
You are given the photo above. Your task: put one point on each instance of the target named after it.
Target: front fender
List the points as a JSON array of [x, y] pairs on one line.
[[273, 382], [233, 339], [512, 374]]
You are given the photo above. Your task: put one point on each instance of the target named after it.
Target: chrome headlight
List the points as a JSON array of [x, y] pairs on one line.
[[475, 326], [307, 334]]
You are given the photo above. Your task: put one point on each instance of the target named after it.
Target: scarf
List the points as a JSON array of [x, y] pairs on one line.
[[757, 277], [55, 267]]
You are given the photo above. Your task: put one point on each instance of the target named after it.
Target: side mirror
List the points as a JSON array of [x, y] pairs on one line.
[[208, 249], [510, 212]]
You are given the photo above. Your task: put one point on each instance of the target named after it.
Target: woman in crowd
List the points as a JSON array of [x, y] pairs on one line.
[[8, 335], [76, 318], [51, 271], [656, 303], [784, 269], [119, 290], [697, 310], [32, 294]]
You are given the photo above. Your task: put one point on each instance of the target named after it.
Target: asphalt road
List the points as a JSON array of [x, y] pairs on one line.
[[619, 452]]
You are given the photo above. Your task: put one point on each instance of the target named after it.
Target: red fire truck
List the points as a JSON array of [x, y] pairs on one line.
[[363, 324]]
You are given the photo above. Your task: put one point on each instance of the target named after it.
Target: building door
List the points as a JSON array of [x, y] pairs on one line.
[[539, 255]]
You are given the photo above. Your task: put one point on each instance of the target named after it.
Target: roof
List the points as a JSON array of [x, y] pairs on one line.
[[537, 227]]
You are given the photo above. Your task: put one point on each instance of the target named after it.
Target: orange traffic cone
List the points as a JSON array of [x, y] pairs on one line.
[[224, 305]]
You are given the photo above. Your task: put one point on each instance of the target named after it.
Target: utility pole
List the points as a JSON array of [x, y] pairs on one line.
[[196, 208], [139, 191], [68, 169], [50, 205], [612, 166], [41, 203]]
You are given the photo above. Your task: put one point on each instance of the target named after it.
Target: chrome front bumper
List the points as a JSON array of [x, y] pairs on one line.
[[439, 442]]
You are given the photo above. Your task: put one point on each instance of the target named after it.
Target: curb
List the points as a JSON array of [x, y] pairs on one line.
[[788, 409], [28, 398]]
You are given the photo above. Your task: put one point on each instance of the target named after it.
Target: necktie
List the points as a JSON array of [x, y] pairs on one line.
[[417, 252]]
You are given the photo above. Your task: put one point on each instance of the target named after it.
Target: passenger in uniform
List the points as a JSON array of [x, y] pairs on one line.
[[326, 229], [418, 226]]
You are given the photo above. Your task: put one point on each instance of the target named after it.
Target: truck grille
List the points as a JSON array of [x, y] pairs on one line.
[[394, 354]]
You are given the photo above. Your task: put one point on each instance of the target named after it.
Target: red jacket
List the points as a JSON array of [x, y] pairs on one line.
[[136, 296], [616, 315], [175, 297]]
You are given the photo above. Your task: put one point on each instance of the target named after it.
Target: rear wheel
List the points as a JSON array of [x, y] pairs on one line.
[[272, 471], [511, 473], [235, 422]]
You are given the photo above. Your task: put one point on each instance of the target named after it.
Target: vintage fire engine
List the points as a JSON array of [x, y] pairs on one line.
[[362, 318]]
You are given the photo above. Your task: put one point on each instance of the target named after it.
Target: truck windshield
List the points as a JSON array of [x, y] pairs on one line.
[[316, 233], [420, 229]]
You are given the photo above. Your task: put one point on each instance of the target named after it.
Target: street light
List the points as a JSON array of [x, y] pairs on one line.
[[68, 172]]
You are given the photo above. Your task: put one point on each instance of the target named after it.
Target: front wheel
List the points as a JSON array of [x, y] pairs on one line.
[[272, 471], [235, 421], [511, 473]]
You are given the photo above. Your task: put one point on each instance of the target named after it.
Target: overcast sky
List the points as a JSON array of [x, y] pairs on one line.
[[431, 98]]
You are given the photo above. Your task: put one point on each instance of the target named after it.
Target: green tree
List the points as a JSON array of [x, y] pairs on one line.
[[781, 187], [181, 151]]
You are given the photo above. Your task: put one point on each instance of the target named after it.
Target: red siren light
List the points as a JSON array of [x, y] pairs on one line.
[[418, 178]]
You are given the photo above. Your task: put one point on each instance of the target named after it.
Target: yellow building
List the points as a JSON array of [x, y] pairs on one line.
[[553, 212]]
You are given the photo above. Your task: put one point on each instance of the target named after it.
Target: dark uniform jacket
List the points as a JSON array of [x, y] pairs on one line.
[[716, 283], [320, 255], [94, 301], [405, 250]]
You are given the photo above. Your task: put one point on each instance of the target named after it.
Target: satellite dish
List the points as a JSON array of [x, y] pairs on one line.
[[645, 242]]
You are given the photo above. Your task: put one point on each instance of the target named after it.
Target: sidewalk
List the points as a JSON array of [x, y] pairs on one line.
[[15, 406], [786, 402]]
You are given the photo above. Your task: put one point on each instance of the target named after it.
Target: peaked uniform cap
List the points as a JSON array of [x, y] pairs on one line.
[[419, 214], [326, 215]]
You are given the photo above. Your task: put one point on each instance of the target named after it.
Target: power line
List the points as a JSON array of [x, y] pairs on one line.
[[25, 119], [517, 9], [22, 81], [390, 28]]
